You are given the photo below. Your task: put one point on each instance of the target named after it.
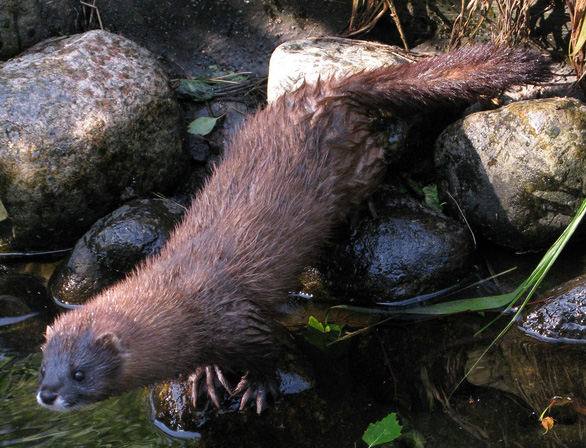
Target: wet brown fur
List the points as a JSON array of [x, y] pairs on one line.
[[288, 176]]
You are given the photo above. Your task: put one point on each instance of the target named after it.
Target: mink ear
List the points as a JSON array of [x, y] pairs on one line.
[[111, 341]]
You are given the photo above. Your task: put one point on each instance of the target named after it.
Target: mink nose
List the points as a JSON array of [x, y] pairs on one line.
[[48, 397]]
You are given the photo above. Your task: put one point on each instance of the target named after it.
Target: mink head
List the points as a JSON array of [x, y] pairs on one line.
[[78, 369]]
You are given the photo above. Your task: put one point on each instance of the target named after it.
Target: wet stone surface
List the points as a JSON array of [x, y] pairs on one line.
[[112, 247], [563, 315], [407, 250], [311, 410]]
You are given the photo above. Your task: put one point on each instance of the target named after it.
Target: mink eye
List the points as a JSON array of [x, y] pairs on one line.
[[78, 375], [43, 371]]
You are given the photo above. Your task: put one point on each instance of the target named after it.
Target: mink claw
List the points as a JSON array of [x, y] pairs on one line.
[[261, 399], [194, 379], [246, 397], [211, 387], [213, 375]]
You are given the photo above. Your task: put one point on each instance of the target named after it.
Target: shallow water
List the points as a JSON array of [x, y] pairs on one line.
[[407, 366]]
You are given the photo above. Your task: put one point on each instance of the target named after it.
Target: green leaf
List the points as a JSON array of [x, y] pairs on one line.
[[428, 193], [315, 324], [322, 335], [202, 125], [432, 197], [387, 430], [195, 89], [464, 305]]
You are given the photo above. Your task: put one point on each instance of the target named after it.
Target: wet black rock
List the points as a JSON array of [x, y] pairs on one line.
[[112, 247], [174, 409], [562, 316], [407, 250]]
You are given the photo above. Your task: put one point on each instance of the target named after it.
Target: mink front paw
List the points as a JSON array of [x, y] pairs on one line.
[[214, 378], [207, 380], [256, 389]]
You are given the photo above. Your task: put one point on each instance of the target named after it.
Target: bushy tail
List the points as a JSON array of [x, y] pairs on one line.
[[455, 78]]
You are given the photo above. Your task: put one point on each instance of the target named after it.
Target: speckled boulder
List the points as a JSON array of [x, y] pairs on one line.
[[519, 172], [112, 247], [85, 122], [23, 23]]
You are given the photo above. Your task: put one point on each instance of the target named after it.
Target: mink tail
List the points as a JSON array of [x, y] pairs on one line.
[[455, 78]]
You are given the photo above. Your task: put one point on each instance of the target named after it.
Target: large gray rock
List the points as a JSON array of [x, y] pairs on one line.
[[85, 122], [23, 23], [519, 172]]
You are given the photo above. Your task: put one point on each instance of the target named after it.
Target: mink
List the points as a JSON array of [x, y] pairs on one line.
[[203, 306]]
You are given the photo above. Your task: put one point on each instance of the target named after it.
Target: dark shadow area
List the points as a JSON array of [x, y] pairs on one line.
[[240, 35]]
